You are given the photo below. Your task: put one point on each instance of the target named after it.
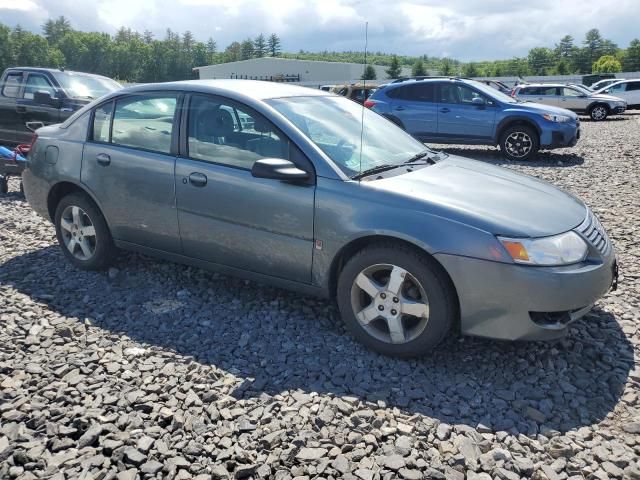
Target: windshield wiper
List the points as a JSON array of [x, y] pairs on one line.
[[374, 170], [418, 156]]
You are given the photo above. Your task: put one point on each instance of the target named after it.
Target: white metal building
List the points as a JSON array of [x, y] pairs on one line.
[[305, 72]]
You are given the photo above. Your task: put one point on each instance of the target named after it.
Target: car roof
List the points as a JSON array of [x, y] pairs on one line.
[[254, 89], [53, 70], [545, 85]]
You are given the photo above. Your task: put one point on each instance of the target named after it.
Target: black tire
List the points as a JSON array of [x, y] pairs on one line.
[[529, 135], [441, 297], [103, 248], [4, 186], [599, 112]]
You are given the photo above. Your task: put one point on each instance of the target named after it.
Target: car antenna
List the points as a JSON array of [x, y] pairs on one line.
[[364, 91]]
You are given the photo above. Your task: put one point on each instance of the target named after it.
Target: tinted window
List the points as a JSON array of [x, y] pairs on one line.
[[419, 92], [621, 87], [38, 83], [11, 87], [102, 122], [633, 86], [540, 91], [223, 132], [144, 122], [455, 93]]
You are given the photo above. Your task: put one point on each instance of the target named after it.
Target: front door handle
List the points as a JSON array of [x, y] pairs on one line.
[[103, 159], [21, 109], [399, 108], [444, 110], [198, 179]]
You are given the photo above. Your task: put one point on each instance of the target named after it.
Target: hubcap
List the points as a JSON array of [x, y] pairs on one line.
[[598, 113], [389, 303], [518, 144], [78, 232]]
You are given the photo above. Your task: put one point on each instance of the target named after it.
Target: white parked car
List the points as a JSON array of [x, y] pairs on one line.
[[628, 90], [603, 84]]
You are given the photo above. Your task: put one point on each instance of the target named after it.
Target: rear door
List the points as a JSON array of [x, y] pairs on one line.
[[459, 117], [128, 164], [572, 99], [414, 104], [226, 215], [11, 90], [631, 93]]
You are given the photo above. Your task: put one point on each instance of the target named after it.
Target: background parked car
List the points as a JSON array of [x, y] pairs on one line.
[[46, 96], [603, 84], [454, 110], [629, 90], [597, 105], [356, 92]]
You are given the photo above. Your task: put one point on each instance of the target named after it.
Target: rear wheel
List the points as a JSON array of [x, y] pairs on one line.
[[82, 233], [598, 113], [519, 142], [395, 300]]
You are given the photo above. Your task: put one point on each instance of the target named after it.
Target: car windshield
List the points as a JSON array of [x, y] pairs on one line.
[[492, 92], [86, 86], [334, 124]]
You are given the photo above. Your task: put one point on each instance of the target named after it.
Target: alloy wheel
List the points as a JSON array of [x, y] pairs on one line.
[[518, 144], [599, 113], [389, 303], [78, 232]]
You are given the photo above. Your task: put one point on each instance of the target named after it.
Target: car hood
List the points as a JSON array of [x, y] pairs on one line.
[[605, 97], [541, 108], [493, 199]]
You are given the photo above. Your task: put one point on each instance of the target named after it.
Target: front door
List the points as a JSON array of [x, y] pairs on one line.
[[572, 99], [128, 164], [30, 111], [226, 215], [460, 117]]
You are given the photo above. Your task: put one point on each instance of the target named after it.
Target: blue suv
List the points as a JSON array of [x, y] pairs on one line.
[[455, 110]]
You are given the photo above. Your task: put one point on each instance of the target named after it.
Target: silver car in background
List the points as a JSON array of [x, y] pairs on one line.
[[597, 105], [411, 243]]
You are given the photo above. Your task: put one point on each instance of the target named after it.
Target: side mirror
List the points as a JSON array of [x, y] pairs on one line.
[[277, 169], [479, 101], [44, 98]]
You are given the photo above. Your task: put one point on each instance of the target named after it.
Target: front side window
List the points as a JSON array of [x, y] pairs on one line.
[[102, 123], [620, 87], [335, 125], [460, 94], [12, 84], [570, 92], [144, 121], [221, 131], [38, 83]]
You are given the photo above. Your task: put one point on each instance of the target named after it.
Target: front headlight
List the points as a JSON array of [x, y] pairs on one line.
[[556, 118], [562, 249]]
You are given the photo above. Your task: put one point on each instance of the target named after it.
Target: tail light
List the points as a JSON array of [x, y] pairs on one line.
[[369, 103]]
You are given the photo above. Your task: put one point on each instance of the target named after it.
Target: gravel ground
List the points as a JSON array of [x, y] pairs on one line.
[[153, 370]]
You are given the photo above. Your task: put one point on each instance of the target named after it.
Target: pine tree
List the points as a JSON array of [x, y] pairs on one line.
[[259, 46], [273, 45], [418, 69], [369, 73], [394, 69], [211, 50], [247, 50]]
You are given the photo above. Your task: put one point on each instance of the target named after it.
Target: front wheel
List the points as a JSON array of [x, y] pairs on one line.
[[519, 142], [82, 232], [395, 300], [598, 113]]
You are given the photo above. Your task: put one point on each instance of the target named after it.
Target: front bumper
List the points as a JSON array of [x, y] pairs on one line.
[[516, 302], [559, 135], [619, 109]]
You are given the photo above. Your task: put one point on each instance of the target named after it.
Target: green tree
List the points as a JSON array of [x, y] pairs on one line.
[[446, 67], [369, 73], [273, 45], [247, 50], [540, 60], [54, 30], [607, 64], [418, 69], [6, 47], [565, 49], [259, 46], [394, 69], [470, 70], [631, 60], [233, 52], [211, 51]]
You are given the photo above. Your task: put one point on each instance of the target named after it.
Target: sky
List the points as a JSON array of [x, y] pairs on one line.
[[464, 29]]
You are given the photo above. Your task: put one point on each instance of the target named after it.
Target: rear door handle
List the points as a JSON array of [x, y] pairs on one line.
[[21, 109], [399, 108], [103, 159], [445, 110], [198, 179]]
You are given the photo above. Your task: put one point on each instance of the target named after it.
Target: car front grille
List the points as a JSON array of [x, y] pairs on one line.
[[594, 232]]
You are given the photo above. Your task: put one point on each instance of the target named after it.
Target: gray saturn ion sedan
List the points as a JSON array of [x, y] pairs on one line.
[[280, 184]]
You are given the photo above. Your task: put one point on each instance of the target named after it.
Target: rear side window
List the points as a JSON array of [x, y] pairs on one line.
[[144, 122], [418, 92], [540, 91], [12, 84], [633, 86]]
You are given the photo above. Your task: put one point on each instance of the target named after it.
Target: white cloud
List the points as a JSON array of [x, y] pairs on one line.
[[466, 29]]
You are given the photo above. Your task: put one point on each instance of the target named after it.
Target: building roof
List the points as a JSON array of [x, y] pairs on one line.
[[280, 59]]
